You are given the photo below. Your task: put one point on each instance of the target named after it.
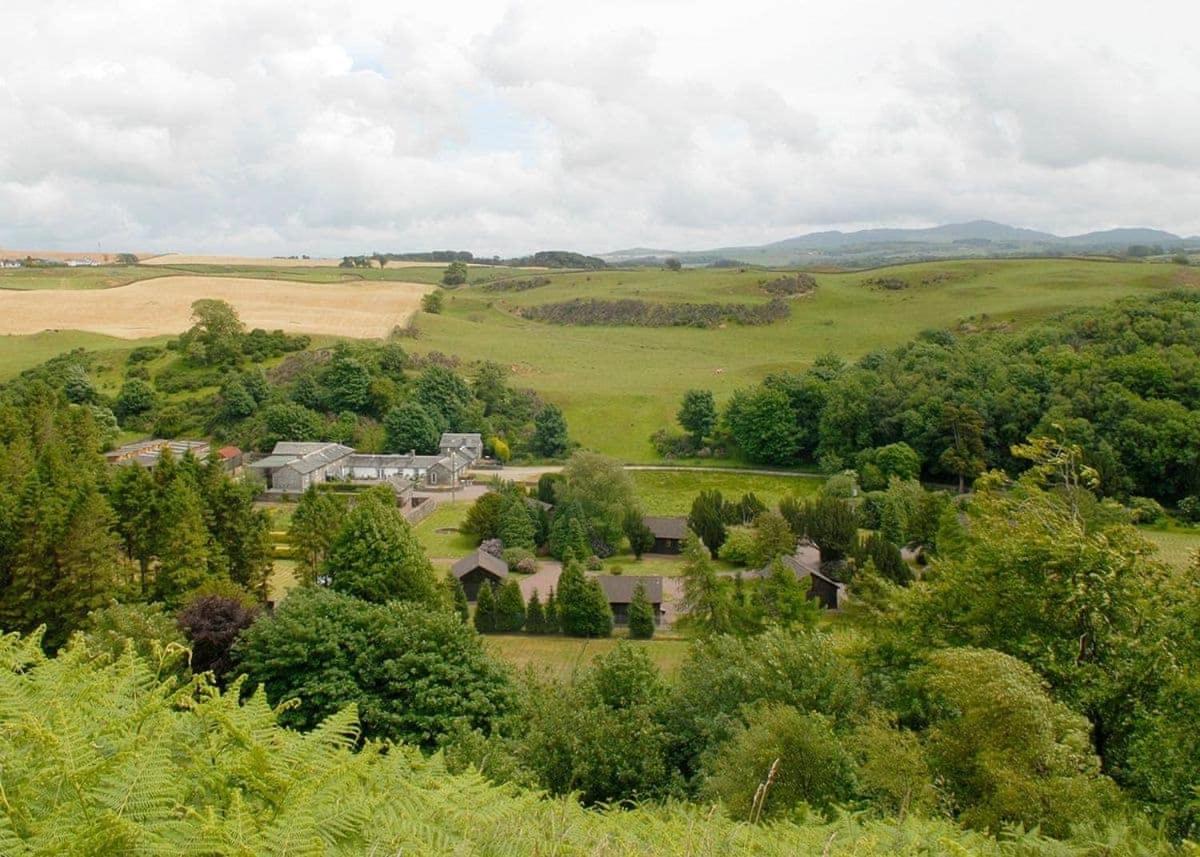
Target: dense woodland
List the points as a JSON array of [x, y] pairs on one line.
[[1122, 382], [1026, 684]]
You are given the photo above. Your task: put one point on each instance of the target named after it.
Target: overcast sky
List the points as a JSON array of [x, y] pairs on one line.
[[303, 126]]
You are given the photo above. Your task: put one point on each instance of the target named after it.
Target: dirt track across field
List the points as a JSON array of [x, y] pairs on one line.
[[164, 305]]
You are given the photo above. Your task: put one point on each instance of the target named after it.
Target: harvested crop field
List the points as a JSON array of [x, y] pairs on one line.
[[276, 262], [164, 305]]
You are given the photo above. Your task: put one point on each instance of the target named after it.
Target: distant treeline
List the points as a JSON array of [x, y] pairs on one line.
[[541, 259], [638, 313], [516, 285]]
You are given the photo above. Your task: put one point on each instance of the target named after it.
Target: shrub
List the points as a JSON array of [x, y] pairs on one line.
[[1144, 510], [739, 546], [515, 556], [638, 313], [594, 563], [796, 284], [1189, 509], [641, 615]]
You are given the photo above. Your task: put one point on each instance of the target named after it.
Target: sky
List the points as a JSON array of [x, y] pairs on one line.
[[281, 127]]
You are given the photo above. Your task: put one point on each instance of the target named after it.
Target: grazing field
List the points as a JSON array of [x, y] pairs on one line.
[[1177, 548], [561, 656], [237, 261], [671, 492], [161, 306], [99, 277]]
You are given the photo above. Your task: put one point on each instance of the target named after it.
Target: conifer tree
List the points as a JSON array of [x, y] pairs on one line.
[[551, 623], [458, 597], [641, 615], [535, 616], [186, 549], [318, 518], [485, 610], [517, 528], [510, 607], [582, 608], [377, 558], [707, 520]]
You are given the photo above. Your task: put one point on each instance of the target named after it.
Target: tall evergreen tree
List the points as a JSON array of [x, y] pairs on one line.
[[186, 549], [582, 608], [551, 623], [535, 616], [485, 610], [707, 520], [510, 607], [458, 597], [641, 615], [706, 604], [517, 527], [376, 557]]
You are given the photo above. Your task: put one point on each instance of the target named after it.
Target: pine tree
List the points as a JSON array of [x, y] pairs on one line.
[[641, 615], [707, 520], [535, 616], [582, 608], [705, 602], [186, 548], [783, 600], [517, 528], [551, 623], [458, 597], [485, 610], [510, 607]]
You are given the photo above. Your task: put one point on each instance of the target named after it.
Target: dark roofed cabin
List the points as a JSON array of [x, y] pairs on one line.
[[477, 568], [826, 590], [669, 534], [618, 590]]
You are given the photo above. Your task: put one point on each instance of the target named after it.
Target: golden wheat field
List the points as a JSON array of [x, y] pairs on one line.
[[272, 262], [163, 305]]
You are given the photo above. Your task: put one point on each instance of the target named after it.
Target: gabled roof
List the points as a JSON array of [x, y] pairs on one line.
[[303, 457], [666, 528], [618, 588], [480, 559], [459, 439], [802, 571]]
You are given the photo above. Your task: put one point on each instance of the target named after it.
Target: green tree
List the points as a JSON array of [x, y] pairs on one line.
[[486, 617], [410, 428], [582, 608], [1007, 751], [706, 605], [413, 672], [510, 607], [550, 433], [517, 527], [346, 384], [763, 426], [773, 538], [455, 274], [485, 516], [431, 302], [641, 615], [782, 599], [535, 615], [964, 457], [186, 554], [641, 538], [799, 751], [458, 598], [318, 519], [707, 520], [603, 493], [698, 415], [446, 398], [135, 398], [215, 337], [553, 622], [135, 499], [376, 557], [831, 525]]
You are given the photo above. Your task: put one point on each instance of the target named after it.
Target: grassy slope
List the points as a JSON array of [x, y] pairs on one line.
[[618, 385], [1176, 547], [671, 492], [561, 656]]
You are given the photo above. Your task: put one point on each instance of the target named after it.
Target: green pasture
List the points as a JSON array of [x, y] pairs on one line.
[[1176, 547], [445, 545], [560, 657], [671, 492]]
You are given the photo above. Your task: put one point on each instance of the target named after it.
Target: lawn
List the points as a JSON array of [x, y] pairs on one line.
[[444, 545], [666, 566], [671, 492], [559, 657], [283, 578], [1176, 547]]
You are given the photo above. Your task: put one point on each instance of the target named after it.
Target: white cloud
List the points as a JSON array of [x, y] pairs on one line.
[[268, 126]]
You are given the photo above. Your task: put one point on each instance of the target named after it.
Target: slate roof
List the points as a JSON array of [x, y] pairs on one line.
[[618, 588], [303, 457], [666, 528], [801, 571], [480, 559]]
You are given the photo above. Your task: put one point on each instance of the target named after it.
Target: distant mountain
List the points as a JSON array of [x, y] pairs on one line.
[[881, 246]]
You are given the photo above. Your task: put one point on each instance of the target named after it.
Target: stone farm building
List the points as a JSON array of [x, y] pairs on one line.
[[825, 589], [618, 590], [293, 466], [669, 534], [477, 568]]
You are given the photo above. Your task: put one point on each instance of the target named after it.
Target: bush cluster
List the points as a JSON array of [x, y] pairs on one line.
[[638, 313]]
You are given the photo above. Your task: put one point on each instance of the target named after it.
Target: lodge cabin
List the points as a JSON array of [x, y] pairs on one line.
[[669, 534], [618, 591], [478, 568], [829, 593]]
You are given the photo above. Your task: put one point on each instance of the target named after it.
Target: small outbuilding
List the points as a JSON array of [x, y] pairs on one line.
[[618, 590], [477, 568], [828, 592], [669, 534]]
